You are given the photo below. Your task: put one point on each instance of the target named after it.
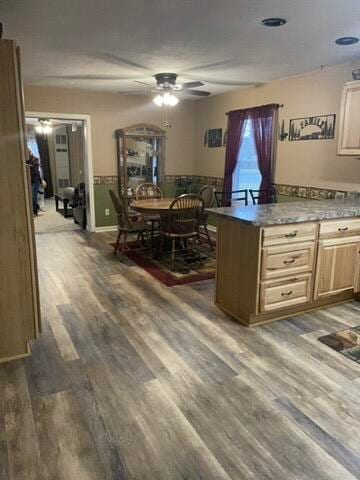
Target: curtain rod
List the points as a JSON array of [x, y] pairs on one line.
[[280, 106]]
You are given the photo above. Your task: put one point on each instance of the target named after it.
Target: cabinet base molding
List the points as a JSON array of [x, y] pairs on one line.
[[26, 353], [262, 319]]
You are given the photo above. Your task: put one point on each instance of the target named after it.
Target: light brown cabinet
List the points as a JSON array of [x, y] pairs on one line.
[[19, 294], [283, 260], [349, 129], [267, 273], [284, 293], [337, 266]]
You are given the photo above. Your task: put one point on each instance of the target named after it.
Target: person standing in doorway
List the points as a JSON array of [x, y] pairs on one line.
[[36, 180]]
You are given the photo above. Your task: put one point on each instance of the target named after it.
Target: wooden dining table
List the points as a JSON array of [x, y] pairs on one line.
[[158, 207], [153, 206]]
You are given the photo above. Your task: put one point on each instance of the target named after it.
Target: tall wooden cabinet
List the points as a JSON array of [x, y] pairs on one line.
[[19, 293], [349, 130], [141, 156]]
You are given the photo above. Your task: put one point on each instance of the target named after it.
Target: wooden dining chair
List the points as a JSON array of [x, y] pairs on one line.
[[182, 223], [148, 190], [127, 224], [207, 193], [256, 194], [224, 199]]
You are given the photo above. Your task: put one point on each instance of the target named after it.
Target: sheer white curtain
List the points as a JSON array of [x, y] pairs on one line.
[[31, 140], [246, 174]]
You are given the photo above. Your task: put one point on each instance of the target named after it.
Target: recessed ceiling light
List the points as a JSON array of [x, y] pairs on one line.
[[346, 40], [273, 22]]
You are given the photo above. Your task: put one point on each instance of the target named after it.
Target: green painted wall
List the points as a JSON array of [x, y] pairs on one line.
[[103, 201], [169, 190]]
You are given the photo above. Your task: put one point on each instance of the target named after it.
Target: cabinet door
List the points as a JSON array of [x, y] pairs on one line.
[[349, 135], [337, 266], [19, 301]]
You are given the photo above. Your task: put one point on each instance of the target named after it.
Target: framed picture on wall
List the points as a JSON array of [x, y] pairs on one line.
[[215, 137], [321, 127], [206, 137], [225, 138]]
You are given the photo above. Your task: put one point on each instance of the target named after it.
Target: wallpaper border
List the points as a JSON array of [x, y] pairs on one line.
[[301, 191]]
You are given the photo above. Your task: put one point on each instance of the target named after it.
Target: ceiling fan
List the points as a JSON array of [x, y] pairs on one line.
[[166, 86]]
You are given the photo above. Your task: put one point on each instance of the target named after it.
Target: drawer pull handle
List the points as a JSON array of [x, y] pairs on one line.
[[291, 235], [287, 294], [287, 262], [343, 229]]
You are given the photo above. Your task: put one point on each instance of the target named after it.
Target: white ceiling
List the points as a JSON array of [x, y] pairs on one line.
[[106, 44]]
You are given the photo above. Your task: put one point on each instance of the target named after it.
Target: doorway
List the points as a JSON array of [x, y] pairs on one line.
[[62, 142]]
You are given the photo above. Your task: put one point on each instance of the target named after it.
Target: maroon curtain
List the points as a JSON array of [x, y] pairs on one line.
[[43, 147], [263, 127], [236, 127]]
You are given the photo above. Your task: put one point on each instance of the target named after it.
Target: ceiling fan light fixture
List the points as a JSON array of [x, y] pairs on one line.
[[44, 127], [174, 101], [158, 100], [167, 99], [170, 100]]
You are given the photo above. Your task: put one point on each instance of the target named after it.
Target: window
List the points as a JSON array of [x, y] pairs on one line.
[[32, 144], [246, 174]]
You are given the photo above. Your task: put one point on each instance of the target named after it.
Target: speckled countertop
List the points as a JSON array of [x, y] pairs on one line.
[[291, 212]]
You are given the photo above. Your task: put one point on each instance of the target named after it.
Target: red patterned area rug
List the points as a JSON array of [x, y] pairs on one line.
[[189, 266]]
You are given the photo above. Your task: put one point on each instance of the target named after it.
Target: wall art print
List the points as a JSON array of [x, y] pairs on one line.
[[214, 138], [206, 134], [225, 138], [321, 127]]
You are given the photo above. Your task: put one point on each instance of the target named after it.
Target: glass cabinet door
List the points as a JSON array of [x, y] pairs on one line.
[[142, 158], [140, 151]]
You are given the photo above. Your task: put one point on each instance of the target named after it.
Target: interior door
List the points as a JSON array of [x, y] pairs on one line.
[[337, 266]]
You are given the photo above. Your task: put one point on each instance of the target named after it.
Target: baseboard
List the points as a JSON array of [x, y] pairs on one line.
[[108, 228]]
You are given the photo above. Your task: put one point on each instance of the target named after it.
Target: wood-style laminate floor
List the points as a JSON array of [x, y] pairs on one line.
[[134, 380]]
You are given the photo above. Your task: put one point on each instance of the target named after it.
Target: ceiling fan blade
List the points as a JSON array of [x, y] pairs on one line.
[[144, 83], [231, 83], [135, 91], [90, 77], [208, 66], [191, 85], [117, 60], [199, 93]]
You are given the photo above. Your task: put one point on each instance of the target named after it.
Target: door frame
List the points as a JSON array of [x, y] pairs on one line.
[[88, 160]]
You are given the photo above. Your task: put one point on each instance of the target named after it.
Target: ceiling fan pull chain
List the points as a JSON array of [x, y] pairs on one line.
[[167, 110]]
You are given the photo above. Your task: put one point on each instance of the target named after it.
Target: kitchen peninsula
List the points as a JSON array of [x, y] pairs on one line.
[[278, 260]]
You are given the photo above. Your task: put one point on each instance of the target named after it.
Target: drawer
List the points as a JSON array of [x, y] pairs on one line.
[[295, 232], [286, 260], [286, 293], [339, 228]]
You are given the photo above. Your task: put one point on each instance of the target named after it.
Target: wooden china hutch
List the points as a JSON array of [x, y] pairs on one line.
[[140, 156]]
